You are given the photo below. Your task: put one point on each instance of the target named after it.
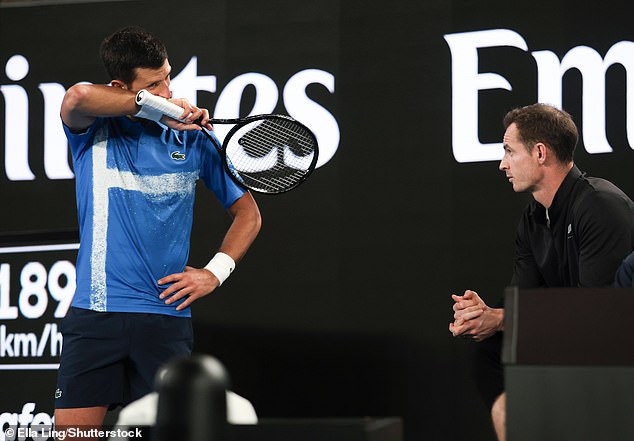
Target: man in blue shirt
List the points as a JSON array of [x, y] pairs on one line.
[[135, 179]]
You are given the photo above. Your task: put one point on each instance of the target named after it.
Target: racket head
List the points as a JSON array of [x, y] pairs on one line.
[[270, 154]]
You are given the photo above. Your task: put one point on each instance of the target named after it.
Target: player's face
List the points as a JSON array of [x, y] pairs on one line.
[[518, 163], [156, 81]]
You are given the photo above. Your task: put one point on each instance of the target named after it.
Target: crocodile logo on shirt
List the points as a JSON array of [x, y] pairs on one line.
[[178, 156]]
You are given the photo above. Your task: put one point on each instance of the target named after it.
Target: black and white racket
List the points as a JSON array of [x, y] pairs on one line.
[[268, 154]]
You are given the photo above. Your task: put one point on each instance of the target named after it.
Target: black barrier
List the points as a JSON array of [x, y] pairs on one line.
[[563, 381]]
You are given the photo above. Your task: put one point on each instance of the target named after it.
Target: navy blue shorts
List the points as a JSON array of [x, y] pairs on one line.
[[111, 358]]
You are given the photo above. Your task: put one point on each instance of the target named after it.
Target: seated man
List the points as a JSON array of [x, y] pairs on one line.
[[574, 233]]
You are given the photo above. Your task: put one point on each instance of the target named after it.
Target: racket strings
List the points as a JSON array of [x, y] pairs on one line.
[[274, 178], [259, 157], [277, 135], [259, 146]]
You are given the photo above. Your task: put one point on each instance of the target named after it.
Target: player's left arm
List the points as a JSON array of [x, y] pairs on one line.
[[244, 228], [195, 283]]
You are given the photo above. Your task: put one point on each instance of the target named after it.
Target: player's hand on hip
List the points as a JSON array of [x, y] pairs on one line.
[[191, 284]]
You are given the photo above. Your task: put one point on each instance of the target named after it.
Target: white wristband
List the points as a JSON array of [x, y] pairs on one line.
[[147, 113], [154, 107], [221, 266]]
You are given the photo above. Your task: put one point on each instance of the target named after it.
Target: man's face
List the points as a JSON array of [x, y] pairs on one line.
[[520, 165], [156, 81]]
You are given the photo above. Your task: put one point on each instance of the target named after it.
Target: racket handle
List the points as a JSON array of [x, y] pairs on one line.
[[158, 104]]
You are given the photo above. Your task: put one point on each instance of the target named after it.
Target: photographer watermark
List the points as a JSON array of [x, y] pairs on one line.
[[47, 432]]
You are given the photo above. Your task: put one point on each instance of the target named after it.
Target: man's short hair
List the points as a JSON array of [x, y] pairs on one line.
[[548, 125], [130, 48]]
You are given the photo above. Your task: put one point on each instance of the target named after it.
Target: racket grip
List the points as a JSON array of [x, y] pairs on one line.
[[154, 103]]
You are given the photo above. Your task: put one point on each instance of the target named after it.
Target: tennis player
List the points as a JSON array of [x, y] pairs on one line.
[[136, 173]]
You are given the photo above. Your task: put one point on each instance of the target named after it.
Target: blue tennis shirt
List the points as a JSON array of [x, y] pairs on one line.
[[135, 185]]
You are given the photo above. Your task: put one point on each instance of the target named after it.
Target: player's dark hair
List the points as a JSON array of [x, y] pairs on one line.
[[130, 48], [546, 124]]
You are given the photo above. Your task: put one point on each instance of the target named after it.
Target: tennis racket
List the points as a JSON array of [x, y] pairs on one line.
[[268, 154]]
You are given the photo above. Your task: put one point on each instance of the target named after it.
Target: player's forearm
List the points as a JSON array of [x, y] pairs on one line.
[[244, 228], [85, 102]]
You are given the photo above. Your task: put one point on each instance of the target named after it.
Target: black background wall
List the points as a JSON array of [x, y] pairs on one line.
[[341, 307]]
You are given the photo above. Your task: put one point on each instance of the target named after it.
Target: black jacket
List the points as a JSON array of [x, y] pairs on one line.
[[580, 241]]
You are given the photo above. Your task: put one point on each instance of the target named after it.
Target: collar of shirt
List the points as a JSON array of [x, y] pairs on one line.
[[560, 201]]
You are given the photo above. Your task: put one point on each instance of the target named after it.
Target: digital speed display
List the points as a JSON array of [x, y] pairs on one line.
[[37, 282]]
